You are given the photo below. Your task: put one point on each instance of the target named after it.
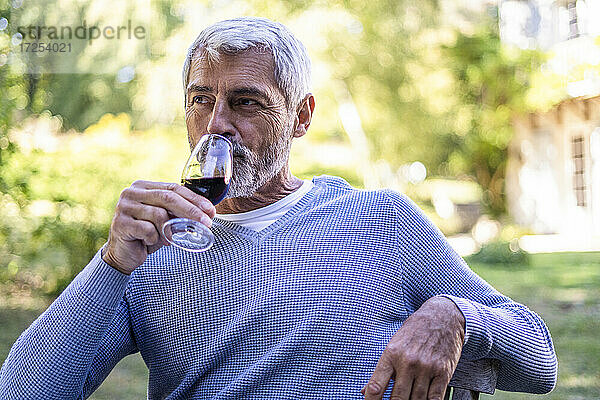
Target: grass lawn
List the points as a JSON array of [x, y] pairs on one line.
[[563, 288]]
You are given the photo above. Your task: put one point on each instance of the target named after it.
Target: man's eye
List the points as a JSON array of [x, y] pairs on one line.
[[247, 102], [200, 99]]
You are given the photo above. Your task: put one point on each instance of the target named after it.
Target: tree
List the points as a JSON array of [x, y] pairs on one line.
[[491, 84], [427, 91]]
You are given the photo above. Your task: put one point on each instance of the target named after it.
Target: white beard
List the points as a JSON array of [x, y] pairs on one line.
[[251, 171]]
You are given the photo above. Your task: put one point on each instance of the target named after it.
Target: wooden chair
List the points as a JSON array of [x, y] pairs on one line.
[[471, 378]]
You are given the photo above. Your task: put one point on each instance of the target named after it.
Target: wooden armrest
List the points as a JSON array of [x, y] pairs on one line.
[[473, 377]]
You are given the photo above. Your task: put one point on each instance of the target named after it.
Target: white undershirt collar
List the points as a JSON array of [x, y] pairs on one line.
[[262, 217]]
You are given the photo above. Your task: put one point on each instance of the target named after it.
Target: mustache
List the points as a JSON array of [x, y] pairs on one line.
[[239, 150]]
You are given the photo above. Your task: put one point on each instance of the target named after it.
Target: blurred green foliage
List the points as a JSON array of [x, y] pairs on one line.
[[435, 94], [72, 187], [500, 252], [387, 55], [9, 82], [491, 86], [79, 98]]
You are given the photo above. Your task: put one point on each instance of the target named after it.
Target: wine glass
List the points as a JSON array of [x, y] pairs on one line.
[[207, 172]]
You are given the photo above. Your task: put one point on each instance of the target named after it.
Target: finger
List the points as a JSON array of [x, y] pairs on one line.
[[156, 215], [380, 379], [420, 387], [152, 249], [170, 201], [201, 201], [437, 388], [140, 230], [403, 383], [184, 192]]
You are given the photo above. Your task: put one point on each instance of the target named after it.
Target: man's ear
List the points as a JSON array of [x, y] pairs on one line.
[[304, 115]]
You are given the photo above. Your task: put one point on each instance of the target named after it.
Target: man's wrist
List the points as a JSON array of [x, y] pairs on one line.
[[102, 283], [451, 309], [105, 255]]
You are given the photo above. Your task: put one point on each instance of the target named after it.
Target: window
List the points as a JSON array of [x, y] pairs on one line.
[[573, 27], [578, 155]]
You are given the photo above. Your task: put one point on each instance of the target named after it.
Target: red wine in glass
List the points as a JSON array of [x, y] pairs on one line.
[[214, 189], [207, 172]]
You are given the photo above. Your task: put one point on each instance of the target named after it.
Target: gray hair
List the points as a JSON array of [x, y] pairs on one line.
[[292, 64]]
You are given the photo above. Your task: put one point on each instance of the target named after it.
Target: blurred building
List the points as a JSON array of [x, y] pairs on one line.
[[543, 24], [553, 176]]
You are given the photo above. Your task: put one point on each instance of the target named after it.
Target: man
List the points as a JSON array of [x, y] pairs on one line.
[[312, 290]]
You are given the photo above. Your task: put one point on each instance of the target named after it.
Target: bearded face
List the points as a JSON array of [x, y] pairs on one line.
[[251, 169], [237, 97]]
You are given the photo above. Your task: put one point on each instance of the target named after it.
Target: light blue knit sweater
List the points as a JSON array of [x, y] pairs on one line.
[[300, 310]]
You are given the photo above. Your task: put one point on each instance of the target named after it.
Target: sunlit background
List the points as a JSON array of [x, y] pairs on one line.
[[486, 113]]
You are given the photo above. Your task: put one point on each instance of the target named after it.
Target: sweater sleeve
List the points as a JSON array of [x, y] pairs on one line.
[[69, 349], [496, 326]]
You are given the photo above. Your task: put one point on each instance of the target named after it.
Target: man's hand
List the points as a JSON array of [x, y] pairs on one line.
[[422, 355], [143, 208]]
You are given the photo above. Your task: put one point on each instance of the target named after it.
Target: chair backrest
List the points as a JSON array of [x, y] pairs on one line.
[[471, 378]]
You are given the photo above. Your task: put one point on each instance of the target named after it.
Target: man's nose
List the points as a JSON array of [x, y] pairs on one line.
[[220, 120]]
